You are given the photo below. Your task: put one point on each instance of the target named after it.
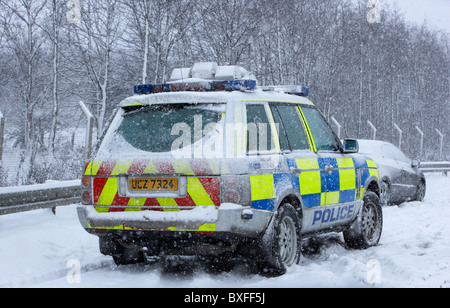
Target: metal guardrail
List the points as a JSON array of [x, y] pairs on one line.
[[435, 167], [41, 196]]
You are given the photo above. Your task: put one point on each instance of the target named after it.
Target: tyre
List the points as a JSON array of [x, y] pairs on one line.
[[421, 189], [366, 231], [281, 243]]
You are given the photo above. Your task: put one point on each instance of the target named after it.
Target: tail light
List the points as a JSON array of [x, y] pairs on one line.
[[235, 189], [86, 190]]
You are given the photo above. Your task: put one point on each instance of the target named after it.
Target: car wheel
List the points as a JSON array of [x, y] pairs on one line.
[[281, 243], [421, 190], [366, 231], [385, 193]]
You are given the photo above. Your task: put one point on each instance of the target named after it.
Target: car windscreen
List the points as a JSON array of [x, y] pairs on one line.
[[322, 134], [166, 128]]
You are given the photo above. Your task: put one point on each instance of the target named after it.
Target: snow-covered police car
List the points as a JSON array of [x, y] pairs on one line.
[[210, 164]]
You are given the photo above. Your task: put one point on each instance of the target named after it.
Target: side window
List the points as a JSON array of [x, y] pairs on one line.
[[259, 133], [400, 156], [293, 127], [387, 152], [321, 132], [284, 143]]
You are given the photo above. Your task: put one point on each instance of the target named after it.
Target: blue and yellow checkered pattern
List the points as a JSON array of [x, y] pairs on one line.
[[316, 186], [266, 188]]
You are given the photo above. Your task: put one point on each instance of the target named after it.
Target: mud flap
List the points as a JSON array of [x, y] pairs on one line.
[[267, 259]]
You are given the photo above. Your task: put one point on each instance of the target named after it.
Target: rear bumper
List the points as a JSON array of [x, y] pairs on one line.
[[228, 218]]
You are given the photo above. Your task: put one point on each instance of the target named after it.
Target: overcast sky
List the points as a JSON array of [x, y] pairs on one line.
[[437, 12]]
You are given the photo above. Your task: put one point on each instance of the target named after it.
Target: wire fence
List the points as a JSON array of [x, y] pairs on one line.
[[65, 164]]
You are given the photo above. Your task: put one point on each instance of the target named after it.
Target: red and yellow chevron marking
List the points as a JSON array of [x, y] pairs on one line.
[[203, 187]]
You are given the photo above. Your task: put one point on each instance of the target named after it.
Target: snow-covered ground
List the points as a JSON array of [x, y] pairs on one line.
[[38, 249]]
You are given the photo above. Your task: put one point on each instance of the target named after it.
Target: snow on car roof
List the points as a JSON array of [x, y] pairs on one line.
[[213, 97], [370, 146]]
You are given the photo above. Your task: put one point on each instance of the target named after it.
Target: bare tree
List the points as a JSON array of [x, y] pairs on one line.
[[97, 37], [155, 28], [56, 15], [25, 40], [227, 29]]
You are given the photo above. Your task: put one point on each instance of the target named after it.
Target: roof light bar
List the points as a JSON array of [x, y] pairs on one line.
[[200, 86], [239, 85], [289, 89], [208, 76]]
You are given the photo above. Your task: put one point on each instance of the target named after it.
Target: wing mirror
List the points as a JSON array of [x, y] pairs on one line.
[[351, 146]]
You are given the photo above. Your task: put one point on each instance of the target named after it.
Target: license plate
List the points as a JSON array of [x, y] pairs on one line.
[[153, 184]]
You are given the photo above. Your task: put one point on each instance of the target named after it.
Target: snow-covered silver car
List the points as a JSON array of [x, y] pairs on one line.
[[400, 177]]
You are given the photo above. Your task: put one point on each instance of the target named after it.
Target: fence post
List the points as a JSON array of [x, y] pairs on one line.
[[338, 127], [442, 143], [2, 132], [399, 136], [90, 127], [374, 129], [421, 140]]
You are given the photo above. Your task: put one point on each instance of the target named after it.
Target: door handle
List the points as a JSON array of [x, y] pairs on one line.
[[329, 168], [296, 171]]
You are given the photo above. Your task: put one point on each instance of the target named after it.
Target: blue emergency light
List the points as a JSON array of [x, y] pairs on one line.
[[301, 91], [290, 89], [199, 86]]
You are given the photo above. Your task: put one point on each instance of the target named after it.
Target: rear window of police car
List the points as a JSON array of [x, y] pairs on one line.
[[157, 128]]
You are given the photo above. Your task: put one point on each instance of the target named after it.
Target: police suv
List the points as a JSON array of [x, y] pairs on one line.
[[210, 164]]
